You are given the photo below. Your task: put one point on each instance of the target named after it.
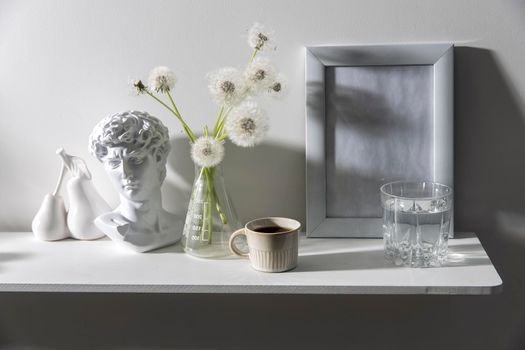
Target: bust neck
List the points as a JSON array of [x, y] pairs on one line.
[[146, 212]]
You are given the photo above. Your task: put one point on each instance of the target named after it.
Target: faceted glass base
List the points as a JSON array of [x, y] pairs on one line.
[[416, 223]]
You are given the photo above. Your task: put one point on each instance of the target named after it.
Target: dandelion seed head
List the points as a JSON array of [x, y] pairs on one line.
[[277, 88], [259, 74], [227, 86], [162, 79], [207, 151], [247, 125], [259, 38]]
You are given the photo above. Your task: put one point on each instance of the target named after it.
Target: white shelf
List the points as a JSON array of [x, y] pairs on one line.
[[326, 266]]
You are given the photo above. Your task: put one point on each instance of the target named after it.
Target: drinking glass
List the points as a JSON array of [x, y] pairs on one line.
[[416, 222]]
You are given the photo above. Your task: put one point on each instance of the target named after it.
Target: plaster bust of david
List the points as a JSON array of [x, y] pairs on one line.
[[134, 146]]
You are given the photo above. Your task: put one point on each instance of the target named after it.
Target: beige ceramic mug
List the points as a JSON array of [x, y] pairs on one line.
[[273, 243]]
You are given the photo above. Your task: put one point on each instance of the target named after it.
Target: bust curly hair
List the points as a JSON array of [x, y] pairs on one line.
[[136, 132]]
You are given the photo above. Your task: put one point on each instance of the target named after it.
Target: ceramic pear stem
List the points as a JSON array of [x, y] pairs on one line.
[[60, 179], [75, 165]]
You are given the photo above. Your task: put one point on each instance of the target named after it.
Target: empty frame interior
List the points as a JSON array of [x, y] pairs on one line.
[[378, 129]]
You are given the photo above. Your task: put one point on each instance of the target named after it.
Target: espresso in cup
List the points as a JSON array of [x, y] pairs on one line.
[[273, 243], [271, 229]]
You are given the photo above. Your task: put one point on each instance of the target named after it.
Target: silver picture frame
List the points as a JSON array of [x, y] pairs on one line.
[[423, 74]]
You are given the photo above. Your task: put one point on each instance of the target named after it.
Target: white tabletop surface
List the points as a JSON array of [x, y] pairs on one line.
[[326, 266]]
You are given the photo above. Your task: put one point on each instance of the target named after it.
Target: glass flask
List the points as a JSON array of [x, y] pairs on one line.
[[211, 218]]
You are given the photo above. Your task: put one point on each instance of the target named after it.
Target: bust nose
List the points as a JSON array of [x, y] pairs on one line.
[[126, 169]]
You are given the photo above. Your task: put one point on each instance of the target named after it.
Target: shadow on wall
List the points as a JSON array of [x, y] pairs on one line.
[[489, 142], [371, 133], [489, 179], [267, 180]]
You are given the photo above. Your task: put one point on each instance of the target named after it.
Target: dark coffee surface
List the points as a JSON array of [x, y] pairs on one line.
[[271, 229]]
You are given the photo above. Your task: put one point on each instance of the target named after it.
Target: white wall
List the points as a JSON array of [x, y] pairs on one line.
[[65, 64]]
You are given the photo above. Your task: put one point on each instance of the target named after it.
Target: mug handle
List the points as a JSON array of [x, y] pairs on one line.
[[233, 247]]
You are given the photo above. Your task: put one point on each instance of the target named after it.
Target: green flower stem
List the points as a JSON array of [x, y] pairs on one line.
[[220, 128], [218, 206], [207, 225], [176, 112], [255, 51], [221, 110], [207, 209], [185, 126], [200, 174], [174, 105], [222, 216], [211, 172], [160, 101], [222, 137]]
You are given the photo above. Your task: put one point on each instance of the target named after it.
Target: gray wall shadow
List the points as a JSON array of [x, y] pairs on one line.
[[266, 180], [384, 137], [489, 172]]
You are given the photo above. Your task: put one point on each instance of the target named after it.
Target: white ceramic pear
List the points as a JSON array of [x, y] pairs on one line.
[[49, 223], [85, 203]]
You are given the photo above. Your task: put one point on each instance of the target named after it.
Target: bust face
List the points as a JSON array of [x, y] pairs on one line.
[[135, 176]]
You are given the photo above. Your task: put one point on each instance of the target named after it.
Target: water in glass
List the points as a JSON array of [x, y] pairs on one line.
[[416, 223]]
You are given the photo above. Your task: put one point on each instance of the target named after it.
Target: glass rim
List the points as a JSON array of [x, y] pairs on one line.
[[383, 190]]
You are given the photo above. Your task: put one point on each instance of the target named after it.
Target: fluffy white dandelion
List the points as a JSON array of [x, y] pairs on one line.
[[227, 86], [247, 125], [207, 151], [277, 87], [162, 79], [259, 74], [259, 38]]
